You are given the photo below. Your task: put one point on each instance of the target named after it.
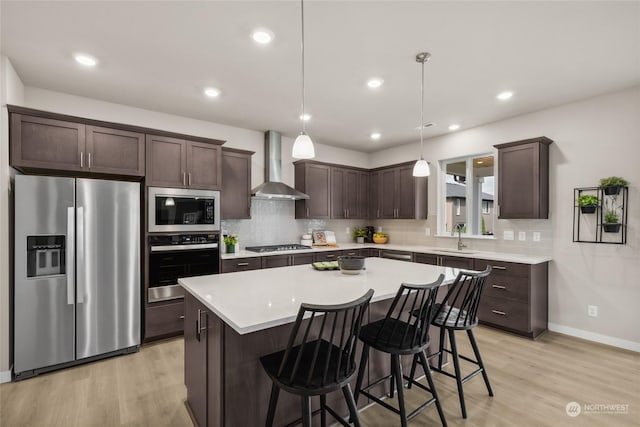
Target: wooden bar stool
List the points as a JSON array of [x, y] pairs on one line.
[[322, 362], [402, 333], [458, 312]]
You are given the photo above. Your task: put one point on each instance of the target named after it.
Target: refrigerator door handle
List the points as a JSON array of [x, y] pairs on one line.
[[71, 231], [80, 255]]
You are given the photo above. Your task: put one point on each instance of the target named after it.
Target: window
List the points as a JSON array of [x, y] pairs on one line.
[[466, 197]]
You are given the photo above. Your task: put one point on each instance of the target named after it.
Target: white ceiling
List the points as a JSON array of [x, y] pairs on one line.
[[160, 56]]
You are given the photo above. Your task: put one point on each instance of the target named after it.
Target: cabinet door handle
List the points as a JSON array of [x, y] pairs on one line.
[[498, 267], [330, 256], [501, 313], [199, 327], [89, 160], [498, 287], [81, 159], [242, 264], [189, 179], [184, 179], [181, 317]]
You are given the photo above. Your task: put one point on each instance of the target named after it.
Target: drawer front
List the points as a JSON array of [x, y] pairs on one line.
[[241, 264], [397, 255], [502, 268], [370, 252], [352, 252], [164, 320], [503, 312], [300, 259], [425, 258], [275, 261], [326, 256], [504, 286], [457, 262]]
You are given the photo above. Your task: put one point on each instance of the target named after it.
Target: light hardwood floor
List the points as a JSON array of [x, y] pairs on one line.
[[532, 380]]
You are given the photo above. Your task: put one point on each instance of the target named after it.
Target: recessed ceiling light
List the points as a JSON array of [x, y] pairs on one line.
[[262, 36], [375, 135], [479, 162], [212, 92], [86, 60], [503, 96], [454, 127], [375, 82], [305, 117]]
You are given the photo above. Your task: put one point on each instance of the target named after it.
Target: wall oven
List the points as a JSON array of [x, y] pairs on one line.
[[183, 210], [182, 255]]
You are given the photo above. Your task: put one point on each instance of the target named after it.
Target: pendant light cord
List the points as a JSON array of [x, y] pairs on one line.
[[302, 49], [422, 110]]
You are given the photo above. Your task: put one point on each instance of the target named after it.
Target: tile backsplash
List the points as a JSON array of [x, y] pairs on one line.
[[273, 222]]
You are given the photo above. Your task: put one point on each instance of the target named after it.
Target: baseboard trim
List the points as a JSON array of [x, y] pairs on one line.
[[5, 377], [592, 336]]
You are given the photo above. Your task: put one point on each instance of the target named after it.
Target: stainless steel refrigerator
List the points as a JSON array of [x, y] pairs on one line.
[[77, 271]]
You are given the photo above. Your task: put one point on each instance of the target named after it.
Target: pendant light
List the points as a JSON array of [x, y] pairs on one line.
[[421, 168], [303, 146]]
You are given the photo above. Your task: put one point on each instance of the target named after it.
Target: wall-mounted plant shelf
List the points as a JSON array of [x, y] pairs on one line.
[[602, 222]]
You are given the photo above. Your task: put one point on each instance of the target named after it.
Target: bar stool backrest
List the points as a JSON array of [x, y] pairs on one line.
[[460, 305], [406, 324], [327, 335]]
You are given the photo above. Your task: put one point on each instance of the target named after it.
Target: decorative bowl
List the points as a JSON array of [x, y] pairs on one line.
[[351, 264], [379, 239]]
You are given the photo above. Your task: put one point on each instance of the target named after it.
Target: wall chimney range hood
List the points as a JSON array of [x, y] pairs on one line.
[[274, 188]]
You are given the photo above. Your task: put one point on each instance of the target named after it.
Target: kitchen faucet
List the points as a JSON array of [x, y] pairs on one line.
[[459, 228]]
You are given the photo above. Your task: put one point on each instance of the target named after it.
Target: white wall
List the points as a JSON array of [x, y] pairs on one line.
[[11, 92], [594, 138]]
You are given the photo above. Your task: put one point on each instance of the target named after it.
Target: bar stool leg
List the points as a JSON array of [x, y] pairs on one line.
[[456, 366], [306, 410], [273, 402], [413, 369], [392, 383], [323, 410], [472, 339], [362, 367], [397, 373], [427, 373], [351, 403], [441, 353]]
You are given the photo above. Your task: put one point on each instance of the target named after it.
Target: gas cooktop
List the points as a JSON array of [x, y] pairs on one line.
[[276, 248]]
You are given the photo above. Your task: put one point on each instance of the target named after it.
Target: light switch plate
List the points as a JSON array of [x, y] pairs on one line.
[[507, 235], [427, 231], [522, 235], [536, 236]]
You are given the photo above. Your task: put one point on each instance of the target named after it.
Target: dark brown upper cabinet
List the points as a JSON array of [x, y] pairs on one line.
[[314, 180], [523, 179], [236, 184], [179, 163], [397, 194], [345, 185], [60, 145]]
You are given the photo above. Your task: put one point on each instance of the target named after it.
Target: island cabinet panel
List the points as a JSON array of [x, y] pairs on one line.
[[315, 181], [241, 264], [115, 151], [236, 184], [523, 179], [515, 297]]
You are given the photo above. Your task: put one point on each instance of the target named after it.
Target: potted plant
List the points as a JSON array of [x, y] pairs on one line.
[[612, 185], [380, 237], [359, 234], [230, 241], [611, 224], [588, 203]]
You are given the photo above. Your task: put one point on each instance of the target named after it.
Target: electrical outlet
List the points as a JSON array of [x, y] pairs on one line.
[[348, 230], [507, 235], [522, 235], [427, 231], [592, 310], [379, 229], [536, 236]]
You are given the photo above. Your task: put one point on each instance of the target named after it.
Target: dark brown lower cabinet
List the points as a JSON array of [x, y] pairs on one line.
[[241, 264], [163, 320], [326, 256], [457, 262], [515, 297], [272, 261]]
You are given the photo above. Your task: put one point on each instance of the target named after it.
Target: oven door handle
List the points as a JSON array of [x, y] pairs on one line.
[[169, 248]]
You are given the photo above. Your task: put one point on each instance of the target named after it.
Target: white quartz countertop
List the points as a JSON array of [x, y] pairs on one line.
[[251, 301], [494, 256]]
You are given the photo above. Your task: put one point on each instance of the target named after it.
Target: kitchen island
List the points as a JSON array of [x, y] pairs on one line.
[[233, 319]]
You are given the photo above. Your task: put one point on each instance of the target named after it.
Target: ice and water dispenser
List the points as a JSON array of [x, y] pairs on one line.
[[45, 255]]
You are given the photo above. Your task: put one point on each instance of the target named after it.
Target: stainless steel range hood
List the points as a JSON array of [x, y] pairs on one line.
[[274, 188]]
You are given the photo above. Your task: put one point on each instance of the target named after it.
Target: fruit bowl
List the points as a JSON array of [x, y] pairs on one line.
[[351, 264], [380, 239]]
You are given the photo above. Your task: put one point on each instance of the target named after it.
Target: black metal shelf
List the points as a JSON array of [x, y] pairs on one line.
[[590, 227]]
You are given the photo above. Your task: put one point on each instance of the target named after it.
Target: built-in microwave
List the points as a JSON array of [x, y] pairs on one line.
[[182, 210]]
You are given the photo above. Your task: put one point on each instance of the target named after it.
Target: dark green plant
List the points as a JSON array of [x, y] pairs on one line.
[[611, 217], [588, 200], [360, 232], [231, 239], [613, 181]]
